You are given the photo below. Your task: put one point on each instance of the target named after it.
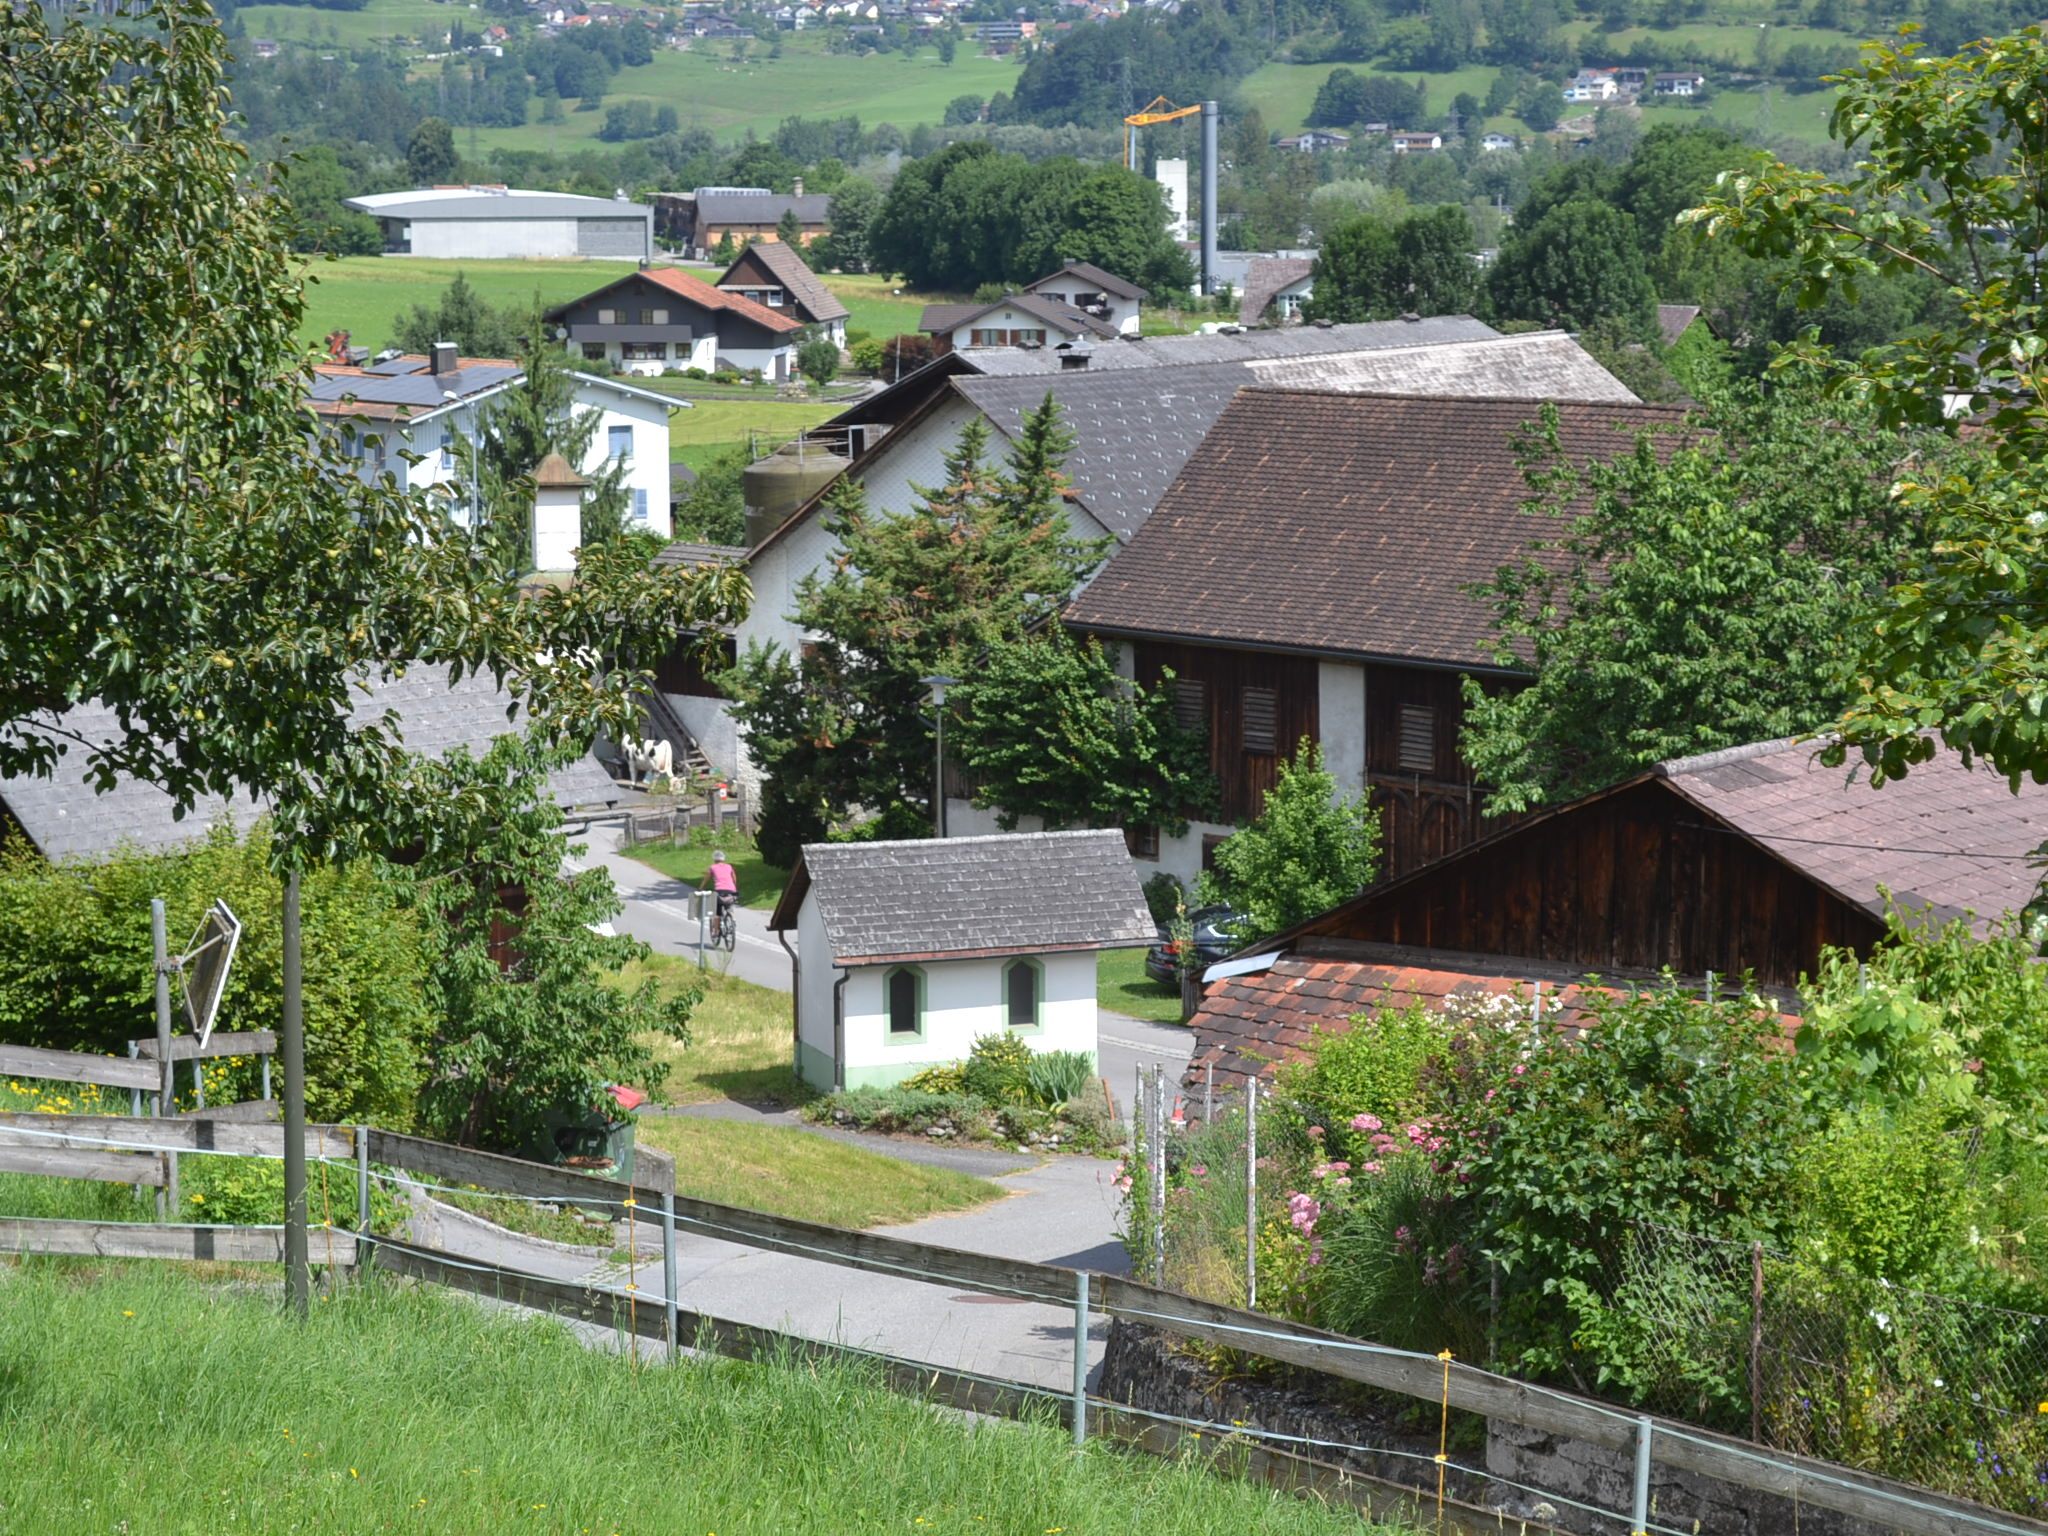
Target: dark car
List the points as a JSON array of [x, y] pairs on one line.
[[1215, 935]]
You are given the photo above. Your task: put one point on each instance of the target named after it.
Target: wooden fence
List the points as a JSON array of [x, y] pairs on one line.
[[86, 1140]]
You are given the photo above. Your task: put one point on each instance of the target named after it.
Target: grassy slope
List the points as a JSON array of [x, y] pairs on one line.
[[365, 294], [380, 20], [405, 1410], [708, 90], [693, 435], [739, 1037], [804, 1175]]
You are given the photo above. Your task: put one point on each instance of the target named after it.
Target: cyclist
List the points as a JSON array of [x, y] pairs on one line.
[[722, 880]]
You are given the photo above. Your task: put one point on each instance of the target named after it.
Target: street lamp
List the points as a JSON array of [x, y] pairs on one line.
[[936, 687]]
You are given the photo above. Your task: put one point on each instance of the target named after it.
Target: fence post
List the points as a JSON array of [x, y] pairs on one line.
[[1080, 1357], [1159, 1174], [1208, 1095], [167, 1070], [1756, 1342], [363, 1254], [668, 1266], [1251, 1195], [1639, 1520], [265, 1059]]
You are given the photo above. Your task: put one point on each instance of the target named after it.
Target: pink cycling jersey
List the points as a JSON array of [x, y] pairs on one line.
[[723, 880]]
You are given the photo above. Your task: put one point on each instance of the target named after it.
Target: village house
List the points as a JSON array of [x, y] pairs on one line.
[[1275, 288], [1014, 320], [1084, 286], [698, 223], [660, 318], [776, 277], [909, 952], [1415, 143], [1744, 862], [1307, 578], [422, 405], [1684, 82], [502, 223], [1312, 141], [1592, 85], [1495, 143]]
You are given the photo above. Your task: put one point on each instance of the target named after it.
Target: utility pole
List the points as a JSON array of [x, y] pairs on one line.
[[298, 1286]]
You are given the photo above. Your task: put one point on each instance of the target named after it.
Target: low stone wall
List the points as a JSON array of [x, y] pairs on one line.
[[1142, 1369]]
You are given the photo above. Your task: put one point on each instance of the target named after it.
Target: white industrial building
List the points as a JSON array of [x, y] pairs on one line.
[[485, 223]]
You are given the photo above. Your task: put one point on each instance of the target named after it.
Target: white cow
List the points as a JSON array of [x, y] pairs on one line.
[[651, 758]]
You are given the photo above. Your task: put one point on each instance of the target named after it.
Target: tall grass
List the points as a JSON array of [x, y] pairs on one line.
[[138, 1399]]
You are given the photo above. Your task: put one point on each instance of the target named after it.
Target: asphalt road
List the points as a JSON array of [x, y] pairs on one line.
[[657, 910]]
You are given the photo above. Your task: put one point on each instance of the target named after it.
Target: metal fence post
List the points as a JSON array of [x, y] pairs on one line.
[[363, 1255], [1639, 1520], [1251, 1195], [1158, 1174], [1208, 1094], [1756, 1342], [668, 1267], [1080, 1357]]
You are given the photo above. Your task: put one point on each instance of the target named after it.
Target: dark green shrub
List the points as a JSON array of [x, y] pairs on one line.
[[1400, 1266], [1377, 1067], [901, 1109], [1165, 897]]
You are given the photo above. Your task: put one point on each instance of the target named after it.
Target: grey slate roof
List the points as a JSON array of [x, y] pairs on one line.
[[946, 317], [688, 552], [500, 205], [1945, 838], [65, 819], [1293, 341], [963, 897], [718, 208], [1673, 320], [950, 317], [1537, 365]]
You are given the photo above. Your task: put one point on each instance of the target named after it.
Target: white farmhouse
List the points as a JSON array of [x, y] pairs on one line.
[[1084, 286], [909, 952], [405, 414], [496, 222]]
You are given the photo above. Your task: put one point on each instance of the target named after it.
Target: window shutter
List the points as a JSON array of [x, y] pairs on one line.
[[1261, 720], [1190, 704], [1415, 749]]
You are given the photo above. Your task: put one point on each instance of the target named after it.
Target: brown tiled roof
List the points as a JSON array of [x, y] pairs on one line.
[[1345, 524], [687, 285], [1264, 279], [803, 285], [1251, 1022], [1945, 838]]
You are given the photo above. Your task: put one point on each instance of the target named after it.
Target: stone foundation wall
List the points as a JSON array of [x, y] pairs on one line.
[[1142, 1370]]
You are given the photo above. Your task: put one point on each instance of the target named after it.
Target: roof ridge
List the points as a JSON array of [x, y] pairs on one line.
[[979, 838], [1702, 762], [1675, 412]]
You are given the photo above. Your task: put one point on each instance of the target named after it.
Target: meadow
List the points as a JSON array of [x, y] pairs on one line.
[[379, 21], [365, 295], [734, 99], [404, 1409]]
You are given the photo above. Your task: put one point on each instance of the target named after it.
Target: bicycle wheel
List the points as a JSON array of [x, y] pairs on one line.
[[728, 928]]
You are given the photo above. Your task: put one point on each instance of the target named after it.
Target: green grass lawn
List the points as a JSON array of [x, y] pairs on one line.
[[739, 1037], [378, 21], [1121, 984], [406, 1409], [881, 306], [364, 295], [804, 1175], [708, 90], [760, 882]]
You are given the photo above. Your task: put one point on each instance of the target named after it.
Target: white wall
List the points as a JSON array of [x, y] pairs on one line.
[[963, 1001], [700, 352], [487, 239], [1123, 313], [1006, 318], [711, 726], [648, 469], [1340, 722], [815, 977], [777, 363]]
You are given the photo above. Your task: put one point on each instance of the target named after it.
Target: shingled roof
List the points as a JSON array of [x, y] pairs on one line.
[[968, 897], [1105, 281], [1241, 345], [787, 265], [65, 819], [687, 285], [1345, 524], [1264, 281]]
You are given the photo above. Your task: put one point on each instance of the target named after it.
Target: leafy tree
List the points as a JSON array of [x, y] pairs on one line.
[[1957, 645], [193, 548], [1367, 270], [714, 510], [1308, 850], [519, 428], [1578, 265], [314, 181], [789, 228], [980, 561], [1539, 105], [528, 1016], [818, 361], [948, 43], [478, 328], [1694, 596], [1047, 728], [430, 152], [962, 110], [1346, 97], [851, 212]]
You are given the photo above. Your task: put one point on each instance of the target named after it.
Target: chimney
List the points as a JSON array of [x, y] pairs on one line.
[[444, 358], [797, 187]]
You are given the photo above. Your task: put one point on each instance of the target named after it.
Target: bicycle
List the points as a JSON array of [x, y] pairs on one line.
[[724, 931]]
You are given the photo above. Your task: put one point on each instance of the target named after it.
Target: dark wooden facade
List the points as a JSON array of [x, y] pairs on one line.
[[1223, 677], [1416, 778], [690, 665], [1634, 881]]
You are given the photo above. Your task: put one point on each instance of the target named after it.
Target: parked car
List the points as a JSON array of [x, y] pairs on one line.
[[1215, 935]]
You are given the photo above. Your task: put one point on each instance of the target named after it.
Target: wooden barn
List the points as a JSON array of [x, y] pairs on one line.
[[1749, 861]]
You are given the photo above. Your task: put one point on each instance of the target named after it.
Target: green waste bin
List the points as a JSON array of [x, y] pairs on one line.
[[598, 1140]]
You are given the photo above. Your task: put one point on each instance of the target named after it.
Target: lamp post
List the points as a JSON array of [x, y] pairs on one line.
[[936, 687]]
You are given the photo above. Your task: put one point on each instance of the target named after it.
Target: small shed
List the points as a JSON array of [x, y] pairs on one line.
[[908, 952]]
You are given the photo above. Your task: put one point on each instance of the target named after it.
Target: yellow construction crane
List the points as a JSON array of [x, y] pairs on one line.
[[1157, 110]]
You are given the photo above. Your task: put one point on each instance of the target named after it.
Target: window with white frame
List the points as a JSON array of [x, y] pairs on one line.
[[448, 446], [642, 352], [607, 317], [639, 506], [618, 443]]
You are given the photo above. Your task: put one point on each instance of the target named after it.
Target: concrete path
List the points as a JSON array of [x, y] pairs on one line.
[[657, 911], [1062, 1211]]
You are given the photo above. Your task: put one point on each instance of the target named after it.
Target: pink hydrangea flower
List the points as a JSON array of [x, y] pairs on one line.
[[1315, 1133], [1366, 1122]]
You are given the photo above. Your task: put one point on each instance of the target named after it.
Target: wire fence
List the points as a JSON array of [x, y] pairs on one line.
[[1817, 1359]]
